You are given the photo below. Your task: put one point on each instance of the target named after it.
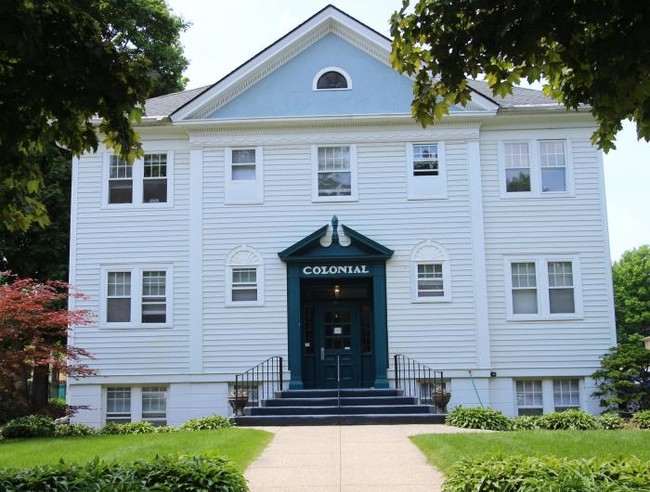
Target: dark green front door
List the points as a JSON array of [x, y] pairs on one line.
[[339, 361]]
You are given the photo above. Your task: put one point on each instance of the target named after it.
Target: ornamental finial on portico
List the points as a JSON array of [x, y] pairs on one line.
[[335, 230]]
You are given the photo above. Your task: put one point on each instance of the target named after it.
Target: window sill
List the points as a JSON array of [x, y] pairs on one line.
[[334, 199], [231, 304], [436, 300], [542, 318], [133, 327]]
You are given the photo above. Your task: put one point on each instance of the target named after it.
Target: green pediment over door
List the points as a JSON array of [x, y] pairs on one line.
[[357, 247]]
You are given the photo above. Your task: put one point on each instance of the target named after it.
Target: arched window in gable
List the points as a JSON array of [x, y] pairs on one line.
[[430, 273], [331, 78]]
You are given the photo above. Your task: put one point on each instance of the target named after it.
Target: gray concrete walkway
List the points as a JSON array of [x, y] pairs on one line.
[[345, 458]]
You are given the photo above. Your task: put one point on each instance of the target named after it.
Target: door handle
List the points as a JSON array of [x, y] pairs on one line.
[[322, 353]]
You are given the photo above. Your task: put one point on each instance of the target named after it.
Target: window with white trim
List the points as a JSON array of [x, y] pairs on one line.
[[536, 167], [426, 172], [244, 277], [136, 296], [334, 172], [244, 175], [154, 404], [118, 405], [430, 273], [530, 399], [145, 182], [331, 79], [543, 288], [566, 394], [126, 404]]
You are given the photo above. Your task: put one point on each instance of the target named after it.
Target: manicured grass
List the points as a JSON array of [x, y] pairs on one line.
[[241, 446], [443, 450]]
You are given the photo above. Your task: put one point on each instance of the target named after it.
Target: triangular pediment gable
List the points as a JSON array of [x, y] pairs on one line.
[[322, 246], [262, 79]]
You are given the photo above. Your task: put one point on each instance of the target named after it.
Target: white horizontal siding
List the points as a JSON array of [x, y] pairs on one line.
[[548, 226], [133, 236]]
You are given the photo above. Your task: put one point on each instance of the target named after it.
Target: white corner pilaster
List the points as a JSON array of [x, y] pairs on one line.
[[478, 254], [196, 259]]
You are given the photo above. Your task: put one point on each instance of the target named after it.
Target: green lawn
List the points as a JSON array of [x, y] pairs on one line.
[[443, 450], [241, 446]]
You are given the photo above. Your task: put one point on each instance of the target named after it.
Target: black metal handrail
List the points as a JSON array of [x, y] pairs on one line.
[[422, 382], [259, 383]]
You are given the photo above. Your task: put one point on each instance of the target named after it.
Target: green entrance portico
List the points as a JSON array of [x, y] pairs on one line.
[[336, 308]]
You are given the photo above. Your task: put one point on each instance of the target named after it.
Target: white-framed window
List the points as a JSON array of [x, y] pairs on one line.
[[566, 394], [543, 288], [332, 79], [126, 404], [244, 175], [154, 404], [334, 172], [426, 170], [118, 404], [430, 273], [244, 277], [536, 167], [146, 182], [136, 296], [530, 400]]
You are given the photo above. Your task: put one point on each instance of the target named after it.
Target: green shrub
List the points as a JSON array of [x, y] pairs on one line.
[[165, 429], [30, 426], [610, 421], [526, 422], [129, 428], [163, 473], [547, 474], [572, 419], [642, 419], [207, 423], [477, 418], [73, 430]]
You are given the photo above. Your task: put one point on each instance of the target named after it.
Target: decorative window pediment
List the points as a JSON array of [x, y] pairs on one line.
[[430, 273]]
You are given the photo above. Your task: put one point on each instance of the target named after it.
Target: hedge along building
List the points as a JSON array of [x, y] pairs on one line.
[[295, 208]]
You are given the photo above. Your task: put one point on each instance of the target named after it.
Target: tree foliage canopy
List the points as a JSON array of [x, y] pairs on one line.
[[34, 322], [69, 68], [631, 276], [585, 52]]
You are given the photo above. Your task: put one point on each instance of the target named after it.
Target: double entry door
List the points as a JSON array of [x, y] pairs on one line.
[[333, 335]]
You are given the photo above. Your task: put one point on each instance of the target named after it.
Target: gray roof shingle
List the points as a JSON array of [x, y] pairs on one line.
[[162, 106]]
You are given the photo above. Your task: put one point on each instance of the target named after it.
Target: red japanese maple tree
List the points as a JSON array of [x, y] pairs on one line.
[[34, 325]]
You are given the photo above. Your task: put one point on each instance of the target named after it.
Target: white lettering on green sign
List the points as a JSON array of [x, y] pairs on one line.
[[335, 270]]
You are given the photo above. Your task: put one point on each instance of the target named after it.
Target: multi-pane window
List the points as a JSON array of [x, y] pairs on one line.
[[146, 181], [154, 405], [517, 163], [540, 288], [425, 160], [243, 165], [154, 185], [430, 280], [118, 302], [118, 404], [552, 159], [560, 287], [529, 397], [136, 296], [566, 394], [524, 288], [120, 181], [154, 300], [334, 171], [244, 284], [536, 167]]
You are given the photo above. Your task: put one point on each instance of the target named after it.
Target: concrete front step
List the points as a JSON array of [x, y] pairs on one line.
[[343, 410], [345, 400], [332, 393], [287, 420]]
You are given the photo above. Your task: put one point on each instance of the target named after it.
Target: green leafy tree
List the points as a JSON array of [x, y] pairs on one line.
[[70, 70], [583, 51], [631, 276], [623, 379]]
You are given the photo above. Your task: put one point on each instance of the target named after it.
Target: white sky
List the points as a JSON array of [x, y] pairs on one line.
[[224, 34]]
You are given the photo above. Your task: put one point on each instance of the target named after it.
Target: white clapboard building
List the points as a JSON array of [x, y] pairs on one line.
[[295, 209]]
